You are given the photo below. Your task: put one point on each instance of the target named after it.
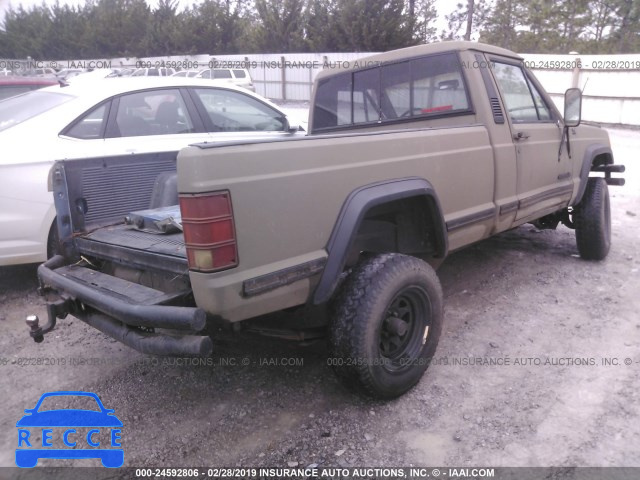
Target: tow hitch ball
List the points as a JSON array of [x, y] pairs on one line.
[[35, 330], [55, 310]]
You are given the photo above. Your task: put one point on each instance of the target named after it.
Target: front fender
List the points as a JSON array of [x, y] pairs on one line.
[[590, 154]]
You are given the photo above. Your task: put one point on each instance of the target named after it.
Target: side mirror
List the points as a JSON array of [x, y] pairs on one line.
[[572, 107], [291, 126]]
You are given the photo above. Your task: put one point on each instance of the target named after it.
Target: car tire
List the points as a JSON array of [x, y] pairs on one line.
[[385, 325], [592, 220], [53, 241]]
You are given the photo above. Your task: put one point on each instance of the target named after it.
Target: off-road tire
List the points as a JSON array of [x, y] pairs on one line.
[[592, 219], [380, 297]]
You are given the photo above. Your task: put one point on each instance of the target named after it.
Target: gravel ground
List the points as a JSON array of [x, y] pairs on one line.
[[520, 379]]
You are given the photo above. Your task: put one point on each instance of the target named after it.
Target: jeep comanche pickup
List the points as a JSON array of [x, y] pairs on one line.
[[411, 154]]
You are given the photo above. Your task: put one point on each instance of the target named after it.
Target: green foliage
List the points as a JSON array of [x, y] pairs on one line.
[[27, 32], [163, 30], [552, 26], [458, 19], [280, 26], [372, 25], [625, 37], [320, 15], [213, 27], [423, 14], [118, 27]]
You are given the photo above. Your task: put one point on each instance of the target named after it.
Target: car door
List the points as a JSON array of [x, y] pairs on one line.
[[147, 121], [155, 120], [543, 179], [230, 115]]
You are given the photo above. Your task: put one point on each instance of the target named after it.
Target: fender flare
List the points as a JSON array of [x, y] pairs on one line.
[[353, 211], [590, 154]]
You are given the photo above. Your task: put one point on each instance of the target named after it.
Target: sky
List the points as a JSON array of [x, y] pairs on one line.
[[443, 6]]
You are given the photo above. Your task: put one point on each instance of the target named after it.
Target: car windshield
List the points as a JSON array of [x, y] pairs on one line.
[[67, 402], [16, 110]]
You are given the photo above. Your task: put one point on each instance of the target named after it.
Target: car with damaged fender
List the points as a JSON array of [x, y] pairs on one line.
[[411, 154]]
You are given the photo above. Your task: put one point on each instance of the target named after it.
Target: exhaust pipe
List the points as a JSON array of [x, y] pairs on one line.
[[150, 343]]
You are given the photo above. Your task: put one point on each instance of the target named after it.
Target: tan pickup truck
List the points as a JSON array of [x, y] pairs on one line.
[[411, 154]]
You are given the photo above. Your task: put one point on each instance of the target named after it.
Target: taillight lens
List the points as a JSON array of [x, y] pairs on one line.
[[209, 232]]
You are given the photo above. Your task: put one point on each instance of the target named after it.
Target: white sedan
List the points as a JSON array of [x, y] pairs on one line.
[[116, 116]]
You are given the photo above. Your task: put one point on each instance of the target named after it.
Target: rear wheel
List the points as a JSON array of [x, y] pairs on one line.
[[592, 219], [386, 324]]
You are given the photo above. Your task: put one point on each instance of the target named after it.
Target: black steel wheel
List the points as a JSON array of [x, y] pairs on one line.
[[401, 331], [386, 324]]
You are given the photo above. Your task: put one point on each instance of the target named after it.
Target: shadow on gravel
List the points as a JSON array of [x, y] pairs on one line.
[[18, 278], [508, 254]]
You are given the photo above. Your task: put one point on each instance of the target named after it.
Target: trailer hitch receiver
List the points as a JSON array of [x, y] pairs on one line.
[[55, 310]]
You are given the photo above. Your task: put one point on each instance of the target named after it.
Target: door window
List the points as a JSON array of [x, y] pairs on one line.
[[91, 125], [524, 103], [153, 112], [231, 111], [222, 73]]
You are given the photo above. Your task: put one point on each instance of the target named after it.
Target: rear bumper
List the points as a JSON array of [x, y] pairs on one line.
[[118, 308]]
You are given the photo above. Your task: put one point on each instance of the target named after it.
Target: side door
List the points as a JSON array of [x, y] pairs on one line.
[[155, 120], [543, 174]]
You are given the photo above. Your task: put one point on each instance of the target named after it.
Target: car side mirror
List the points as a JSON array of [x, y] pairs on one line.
[[291, 126], [572, 107]]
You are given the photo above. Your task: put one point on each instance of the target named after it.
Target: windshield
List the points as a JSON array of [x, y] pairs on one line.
[[68, 402], [16, 110]]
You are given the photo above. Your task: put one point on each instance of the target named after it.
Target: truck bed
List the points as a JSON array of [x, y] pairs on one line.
[[106, 190], [124, 244]]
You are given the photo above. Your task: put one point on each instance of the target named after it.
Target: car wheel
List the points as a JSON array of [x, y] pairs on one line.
[[53, 241], [592, 219], [386, 324]]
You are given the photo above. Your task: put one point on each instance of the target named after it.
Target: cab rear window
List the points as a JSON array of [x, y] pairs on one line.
[[16, 110], [422, 87]]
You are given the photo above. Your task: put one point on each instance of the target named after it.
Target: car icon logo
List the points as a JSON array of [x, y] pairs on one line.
[[70, 433]]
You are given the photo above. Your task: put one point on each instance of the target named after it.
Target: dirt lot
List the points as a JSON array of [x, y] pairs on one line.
[[519, 381]]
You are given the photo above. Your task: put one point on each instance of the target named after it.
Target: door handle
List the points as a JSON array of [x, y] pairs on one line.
[[521, 136]]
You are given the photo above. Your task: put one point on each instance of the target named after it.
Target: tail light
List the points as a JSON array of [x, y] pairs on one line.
[[209, 232]]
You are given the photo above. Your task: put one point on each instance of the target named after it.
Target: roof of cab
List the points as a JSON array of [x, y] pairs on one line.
[[418, 51]]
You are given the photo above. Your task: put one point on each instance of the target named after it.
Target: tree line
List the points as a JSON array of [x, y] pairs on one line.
[[130, 28], [553, 26]]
